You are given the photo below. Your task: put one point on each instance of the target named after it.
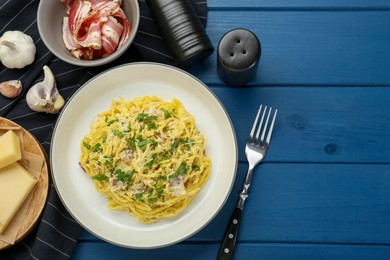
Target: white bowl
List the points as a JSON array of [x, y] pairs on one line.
[[49, 18]]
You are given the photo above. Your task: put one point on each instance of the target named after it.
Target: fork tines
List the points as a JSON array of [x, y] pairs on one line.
[[262, 128]]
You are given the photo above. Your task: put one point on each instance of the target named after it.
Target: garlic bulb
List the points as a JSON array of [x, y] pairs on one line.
[[44, 96], [17, 49], [11, 88]]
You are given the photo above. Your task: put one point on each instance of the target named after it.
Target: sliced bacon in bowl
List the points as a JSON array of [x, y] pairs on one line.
[[94, 28]]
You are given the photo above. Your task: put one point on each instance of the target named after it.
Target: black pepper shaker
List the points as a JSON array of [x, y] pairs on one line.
[[239, 51], [182, 30]]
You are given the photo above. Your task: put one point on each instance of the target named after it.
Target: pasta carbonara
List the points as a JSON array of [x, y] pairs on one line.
[[146, 156]]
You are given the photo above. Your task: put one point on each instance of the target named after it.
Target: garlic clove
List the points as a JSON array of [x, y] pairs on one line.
[[11, 88], [44, 96], [59, 103]]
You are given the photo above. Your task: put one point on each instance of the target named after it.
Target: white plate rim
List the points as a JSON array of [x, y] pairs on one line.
[[218, 103]]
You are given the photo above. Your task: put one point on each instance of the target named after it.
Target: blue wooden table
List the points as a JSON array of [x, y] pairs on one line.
[[323, 191]]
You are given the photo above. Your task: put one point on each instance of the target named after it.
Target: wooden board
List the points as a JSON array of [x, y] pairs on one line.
[[39, 194]]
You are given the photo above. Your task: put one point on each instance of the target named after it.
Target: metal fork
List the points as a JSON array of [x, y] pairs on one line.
[[255, 150]]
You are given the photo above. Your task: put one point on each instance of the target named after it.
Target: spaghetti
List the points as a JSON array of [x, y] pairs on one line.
[[146, 156]]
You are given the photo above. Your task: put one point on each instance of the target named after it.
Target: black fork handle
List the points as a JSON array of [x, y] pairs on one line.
[[226, 250]]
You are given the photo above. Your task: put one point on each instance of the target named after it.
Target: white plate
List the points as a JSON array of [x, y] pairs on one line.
[[77, 191]]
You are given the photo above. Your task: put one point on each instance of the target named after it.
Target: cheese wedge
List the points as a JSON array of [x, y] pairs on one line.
[[15, 185], [10, 148]]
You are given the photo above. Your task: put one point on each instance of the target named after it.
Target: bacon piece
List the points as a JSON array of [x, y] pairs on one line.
[[178, 186], [68, 5], [106, 8], [93, 37], [95, 2], [98, 53], [77, 53], [87, 53], [121, 16], [109, 46], [67, 36], [77, 15], [111, 30]]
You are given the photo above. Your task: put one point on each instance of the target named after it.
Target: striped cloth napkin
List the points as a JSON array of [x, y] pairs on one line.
[[57, 232]]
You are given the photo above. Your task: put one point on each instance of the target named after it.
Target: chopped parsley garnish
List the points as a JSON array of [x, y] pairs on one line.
[[147, 120], [162, 178], [157, 158], [151, 125], [151, 161], [145, 117], [164, 157], [124, 176], [154, 194], [86, 145], [100, 177], [181, 170], [127, 130], [131, 142], [166, 114], [108, 161], [150, 192], [111, 121], [142, 143], [104, 137], [159, 190], [195, 168], [152, 200], [176, 144], [97, 148], [117, 133], [138, 196]]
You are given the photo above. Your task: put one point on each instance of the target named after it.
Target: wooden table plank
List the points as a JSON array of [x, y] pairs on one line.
[[319, 203], [248, 251], [309, 48], [316, 124]]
